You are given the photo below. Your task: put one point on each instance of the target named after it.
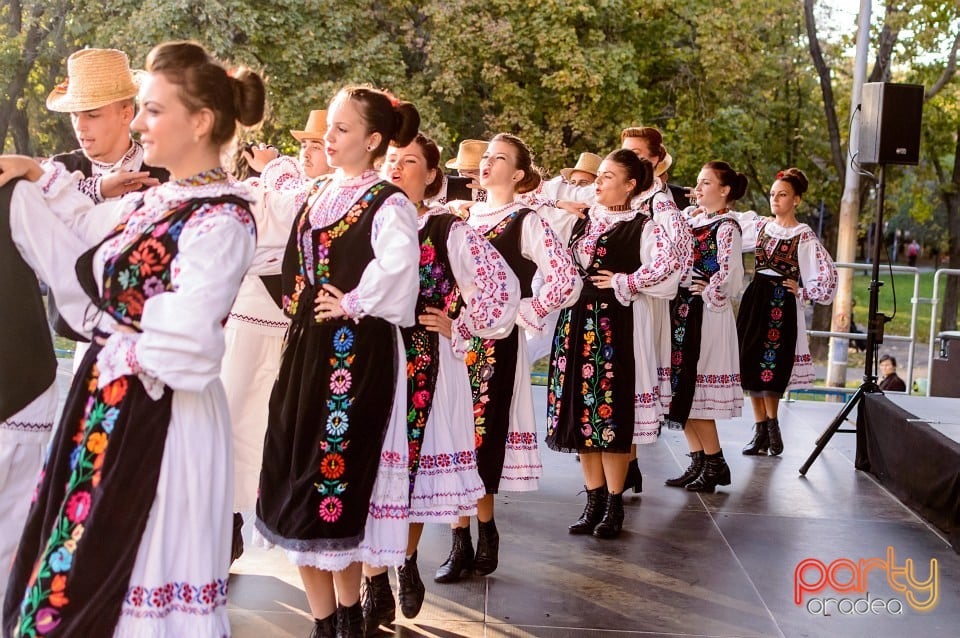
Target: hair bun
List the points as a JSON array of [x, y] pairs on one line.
[[249, 96], [797, 179], [408, 122]]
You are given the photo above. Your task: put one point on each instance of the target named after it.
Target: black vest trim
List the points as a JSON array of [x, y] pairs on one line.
[[27, 362]]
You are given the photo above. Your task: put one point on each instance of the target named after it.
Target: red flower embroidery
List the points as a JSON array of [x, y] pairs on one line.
[[332, 466], [78, 507], [151, 256]]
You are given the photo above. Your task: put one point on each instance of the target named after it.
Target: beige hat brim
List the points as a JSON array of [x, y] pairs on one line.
[[453, 164], [307, 135], [663, 166], [63, 103], [567, 172]]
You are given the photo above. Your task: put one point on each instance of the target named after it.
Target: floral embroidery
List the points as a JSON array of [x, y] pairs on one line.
[[180, 597], [596, 421], [480, 360], [422, 369], [317, 262], [332, 463], [45, 596]]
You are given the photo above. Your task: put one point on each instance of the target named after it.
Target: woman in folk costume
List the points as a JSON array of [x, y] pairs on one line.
[[706, 364], [145, 430], [334, 487], [792, 267], [602, 385], [256, 324], [466, 290], [504, 422], [657, 202]]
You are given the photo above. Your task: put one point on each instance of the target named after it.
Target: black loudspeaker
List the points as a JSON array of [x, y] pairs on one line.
[[890, 123]]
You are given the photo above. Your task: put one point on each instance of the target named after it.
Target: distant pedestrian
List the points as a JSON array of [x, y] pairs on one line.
[[913, 251]]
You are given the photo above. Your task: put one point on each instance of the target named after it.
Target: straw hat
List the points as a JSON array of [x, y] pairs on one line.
[[315, 129], [587, 163], [95, 78], [468, 155], [663, 166]]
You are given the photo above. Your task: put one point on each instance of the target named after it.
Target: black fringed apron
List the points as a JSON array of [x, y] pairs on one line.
[[592, 379], [331, 404], [767, 320], [686, 323], [438, 289], [492, 363], [98, 485]]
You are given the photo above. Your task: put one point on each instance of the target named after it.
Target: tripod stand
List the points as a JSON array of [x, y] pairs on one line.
[[874, 336]]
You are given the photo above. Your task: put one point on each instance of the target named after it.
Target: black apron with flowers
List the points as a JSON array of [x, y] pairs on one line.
[[767, 320], [332, 401], [438, 289], [80, 542], [592, 379], [686, 323], [492, 363]]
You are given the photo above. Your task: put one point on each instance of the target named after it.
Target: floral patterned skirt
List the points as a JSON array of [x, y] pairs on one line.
[[329, 413], [492, 368], [591, 383], [77, 552], [767, 331]]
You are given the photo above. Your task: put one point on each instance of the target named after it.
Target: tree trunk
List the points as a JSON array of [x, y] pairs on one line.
[[33, 43], [20, 130], [826, 88], [951, 197]]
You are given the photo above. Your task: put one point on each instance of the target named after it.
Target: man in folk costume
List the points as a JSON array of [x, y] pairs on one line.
[[463, 186], [100, 95], [28, 367]]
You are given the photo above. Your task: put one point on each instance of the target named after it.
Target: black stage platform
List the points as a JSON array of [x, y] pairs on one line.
[[912, 446]]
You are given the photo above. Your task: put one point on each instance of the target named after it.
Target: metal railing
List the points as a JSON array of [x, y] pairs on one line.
[[911, 338]]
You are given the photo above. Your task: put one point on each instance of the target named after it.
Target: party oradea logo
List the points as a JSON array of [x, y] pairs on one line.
[[868, 586]]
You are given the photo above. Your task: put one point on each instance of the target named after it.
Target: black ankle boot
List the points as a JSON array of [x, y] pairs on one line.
[[715, 472], [410, 587], [776, 440], [350, 621], [592, 513], [460, 561], [376, 598], [691, 473], [326, 628], [612, 521], [488, 548], [236, 545], [760, 441], [634, 478]]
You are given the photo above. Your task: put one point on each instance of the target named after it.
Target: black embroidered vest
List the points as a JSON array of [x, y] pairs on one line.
[[617, 250], [782, 259], [314, 249], [507, 237], [705, 247], [142, 268], [27, 363], [77, 161]]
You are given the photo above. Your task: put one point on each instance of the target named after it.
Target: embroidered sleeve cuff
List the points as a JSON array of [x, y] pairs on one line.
[[351, 305], [55, 177], [91, 188], [713, 300], [528, 318], [621, 288], [460, 338], [118, 358]]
